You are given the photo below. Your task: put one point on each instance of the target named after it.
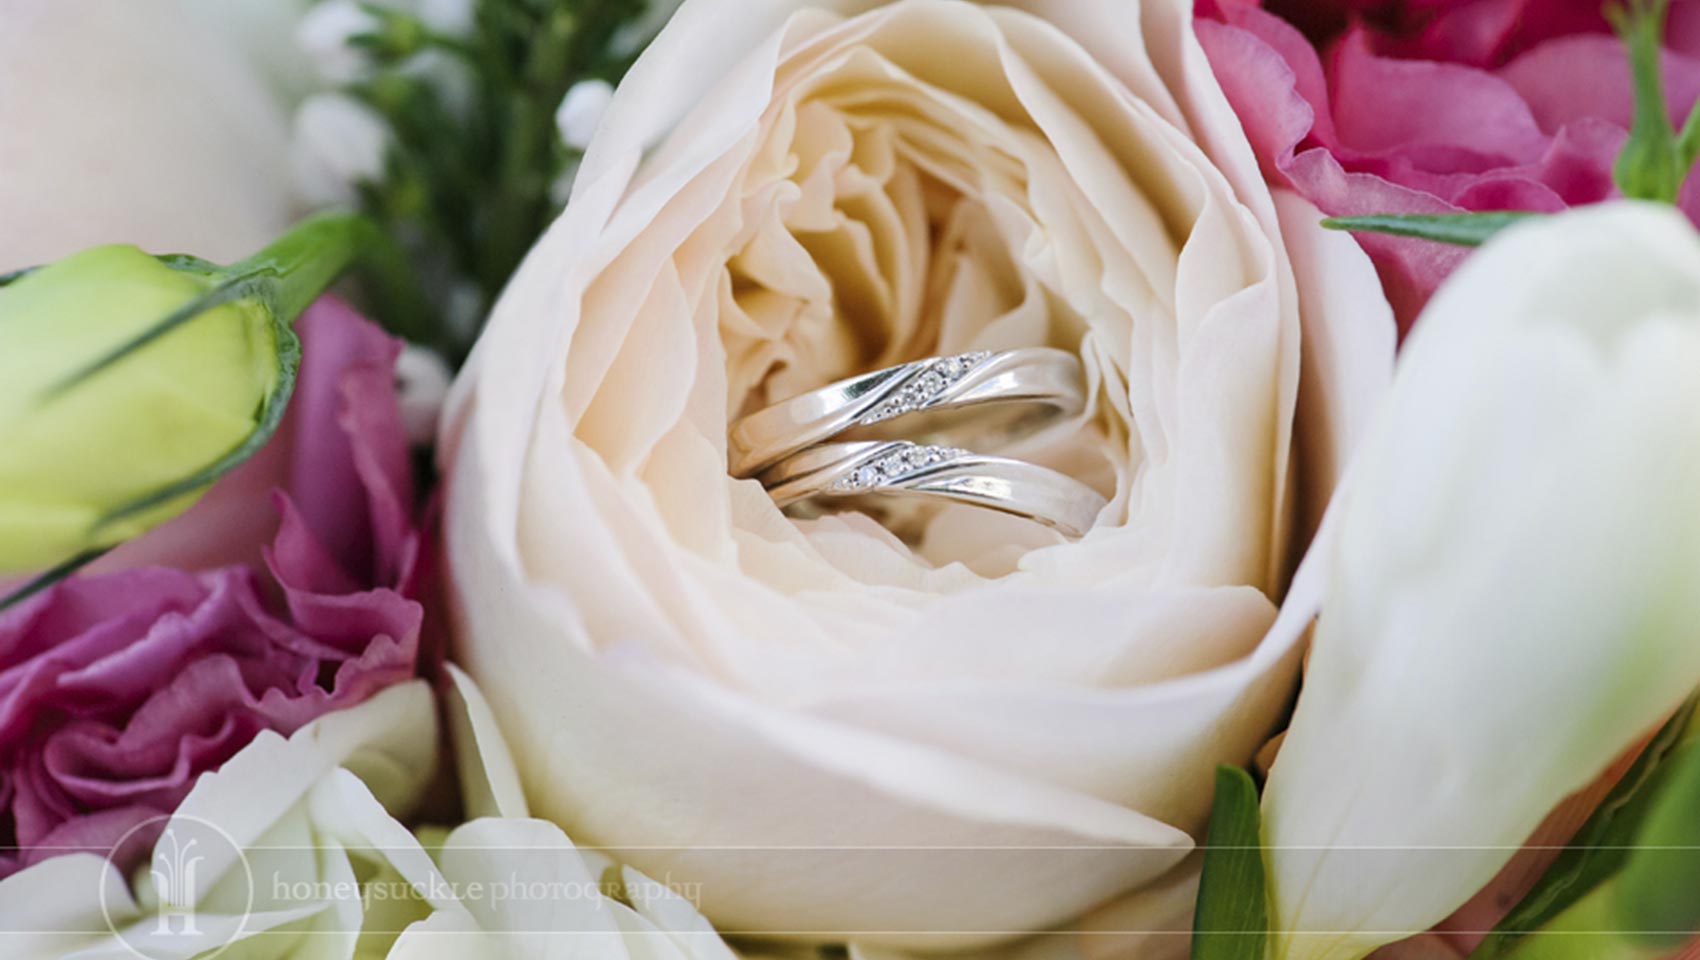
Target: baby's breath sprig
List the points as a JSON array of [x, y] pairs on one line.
[[468, 92]]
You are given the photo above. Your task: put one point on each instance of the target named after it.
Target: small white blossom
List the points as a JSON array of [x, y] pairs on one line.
[[464, 310], [324, 34], [339, 143], [581, 112], [422, 383], [449, 17]]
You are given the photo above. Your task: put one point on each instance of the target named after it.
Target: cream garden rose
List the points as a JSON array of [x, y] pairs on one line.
[[976, 729]]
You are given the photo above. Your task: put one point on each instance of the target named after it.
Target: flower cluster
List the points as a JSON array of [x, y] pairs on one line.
[[455, 125], [1335, 594], [119, 688]]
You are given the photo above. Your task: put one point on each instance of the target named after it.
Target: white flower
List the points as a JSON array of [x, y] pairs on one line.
[[422, 384], [135, 123], [580, 112], [293, 850], [281, 812], [452, 18], [325, 34], [787, 192], [1516, 578], [339, 144]]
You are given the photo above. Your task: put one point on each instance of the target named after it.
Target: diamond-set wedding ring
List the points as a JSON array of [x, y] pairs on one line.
[[945, 473], [935, 425]]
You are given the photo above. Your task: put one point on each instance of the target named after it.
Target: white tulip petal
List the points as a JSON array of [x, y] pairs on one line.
[[1516, 581]]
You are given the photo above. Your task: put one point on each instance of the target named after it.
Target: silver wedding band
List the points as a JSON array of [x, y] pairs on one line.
[[817, 446], [1042, 384], [943, 473]]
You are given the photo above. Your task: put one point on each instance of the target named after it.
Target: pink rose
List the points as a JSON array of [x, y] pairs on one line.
[[1434, 106], [119, 688]]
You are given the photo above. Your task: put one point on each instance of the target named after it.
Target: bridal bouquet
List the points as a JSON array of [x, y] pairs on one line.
[[808, 479]]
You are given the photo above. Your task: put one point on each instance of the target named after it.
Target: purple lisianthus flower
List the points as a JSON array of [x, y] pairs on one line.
[[121, 686]]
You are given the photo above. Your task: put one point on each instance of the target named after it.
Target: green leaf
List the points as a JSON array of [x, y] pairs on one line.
[[1688, 141], [1232, 922], [1461, 229], [1586, 931], [1657, 899], [1600, 849], [1651, 165]]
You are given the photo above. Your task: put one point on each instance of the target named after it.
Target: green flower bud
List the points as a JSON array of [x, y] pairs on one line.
[[94, 450], [129, 383]]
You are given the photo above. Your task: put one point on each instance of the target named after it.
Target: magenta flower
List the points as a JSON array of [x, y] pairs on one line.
[[1434, 106], [118, 689]]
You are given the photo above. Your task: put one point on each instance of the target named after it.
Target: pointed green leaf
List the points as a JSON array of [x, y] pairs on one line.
[[1232, 922], [1461, 229], [1688, 141], [1657, 898], [1600, 849]]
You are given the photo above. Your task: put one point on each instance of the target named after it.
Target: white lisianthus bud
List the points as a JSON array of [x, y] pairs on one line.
[[580, 112], [339, 144], [422, 384], [326, 35], [1516, 578]]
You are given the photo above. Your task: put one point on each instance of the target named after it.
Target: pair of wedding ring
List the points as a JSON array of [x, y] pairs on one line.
[[925, 424]]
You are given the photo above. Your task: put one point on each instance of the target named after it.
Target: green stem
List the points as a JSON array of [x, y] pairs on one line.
[[519, 207], [302, 264], [1649, 168]]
